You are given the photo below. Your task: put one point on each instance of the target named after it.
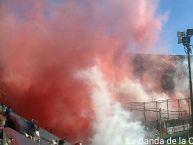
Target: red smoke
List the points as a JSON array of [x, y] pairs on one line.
[[43, 44]]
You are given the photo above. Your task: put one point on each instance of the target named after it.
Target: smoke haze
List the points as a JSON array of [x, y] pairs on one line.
[[44, 44], [113, 125]]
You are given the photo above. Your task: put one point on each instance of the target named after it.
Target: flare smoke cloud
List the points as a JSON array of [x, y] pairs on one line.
[[43, 44]]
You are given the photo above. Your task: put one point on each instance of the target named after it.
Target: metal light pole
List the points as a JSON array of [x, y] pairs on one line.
[[184, 38]]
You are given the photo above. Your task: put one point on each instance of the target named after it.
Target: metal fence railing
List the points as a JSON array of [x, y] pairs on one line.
[[161, 109]]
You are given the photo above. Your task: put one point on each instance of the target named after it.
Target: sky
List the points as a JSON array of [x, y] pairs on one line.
[[179, 18]]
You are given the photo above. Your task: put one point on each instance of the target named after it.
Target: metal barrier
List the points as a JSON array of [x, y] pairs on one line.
[[168, 118], [161, 109]]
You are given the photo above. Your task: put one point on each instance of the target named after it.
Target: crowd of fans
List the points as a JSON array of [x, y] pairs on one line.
[[7, 119], [4, 121]]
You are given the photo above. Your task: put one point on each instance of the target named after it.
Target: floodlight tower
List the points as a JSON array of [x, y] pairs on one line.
[[185, 38]]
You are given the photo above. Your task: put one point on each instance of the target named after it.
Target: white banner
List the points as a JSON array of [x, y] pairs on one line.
[[171, 130]]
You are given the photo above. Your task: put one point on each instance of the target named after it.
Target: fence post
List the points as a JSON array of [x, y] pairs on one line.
[[168, 110], [160, 128], [144, 113]]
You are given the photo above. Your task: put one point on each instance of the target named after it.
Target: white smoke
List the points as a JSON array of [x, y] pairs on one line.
[[113, 124], [134, 90]]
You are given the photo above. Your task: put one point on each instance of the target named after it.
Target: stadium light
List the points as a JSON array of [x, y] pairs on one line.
[[180, 37], [185, 38], [190, 32]]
